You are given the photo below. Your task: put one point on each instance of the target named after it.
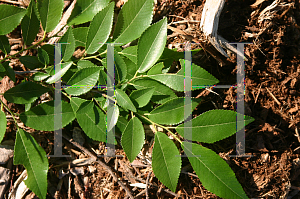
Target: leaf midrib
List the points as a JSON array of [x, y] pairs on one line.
[[214, 174], [22, 92], [124, 31], [160, 145], [95, 73], [131, 105], [35, 176], [12, 15], [84, 10], [150, 49], [181, 76], [211, 125], [103, 21]]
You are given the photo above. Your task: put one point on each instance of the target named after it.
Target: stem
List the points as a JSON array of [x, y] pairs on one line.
[[131, 114], [11, 113], [23, 49], [135, 74], [166, 128], [99, 105], [95, 56], [104, 95], [135, 77], [67, 95]]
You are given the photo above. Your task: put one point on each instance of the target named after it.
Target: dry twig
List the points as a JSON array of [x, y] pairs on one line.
[[108, 169]]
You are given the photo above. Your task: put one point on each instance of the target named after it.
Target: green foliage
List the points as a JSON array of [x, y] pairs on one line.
[[4, 44], [10, 18], [166, 161], [99, 29], [3, 122], [41, 117], [30, 24], [50, 12], [85, 10], [133, 138], [145, 92], [133, 14], [171, 112], [151, 45], [30, 154], [214, 173], [25, 93]]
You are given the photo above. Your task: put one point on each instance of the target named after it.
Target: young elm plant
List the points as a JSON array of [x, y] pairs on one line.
[[144, 90]]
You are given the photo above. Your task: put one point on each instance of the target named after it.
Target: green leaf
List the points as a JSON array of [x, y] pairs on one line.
[[102, 78], [131, 68], [142, 97], [31, 62], [131, 53], [199, 75], [43, 56], [80, 34], [4, 44], [120, 68], [76, 102], [134, 17], [85, 64], [85, 10], [64, 68], [133, 138], [99, 29], [213, 172], [83, 81], [3, 123], [25, 93], [10, 18], [171, 112], [114, 112], [9, 71], [121, 124], [68, 48], [30, 24], [161, 94], [50, 12], [124, 101], [166, 161], [42, 116], [156, 69], [171, 55], [176, 81], [151, 45], [214, 125], [39, 76], [2, 69], [50, 51], [92, 120], [33, 157]]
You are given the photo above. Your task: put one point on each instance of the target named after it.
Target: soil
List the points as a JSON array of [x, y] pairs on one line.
[[272, 97]]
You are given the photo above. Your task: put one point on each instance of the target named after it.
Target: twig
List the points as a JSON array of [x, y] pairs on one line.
[[276, 100], [115, 177], [12, 2], [257, 94], [101, 163], [297, 133], [69, 182], [155, 186], [147, 182], [141, 193], [25, 72]]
